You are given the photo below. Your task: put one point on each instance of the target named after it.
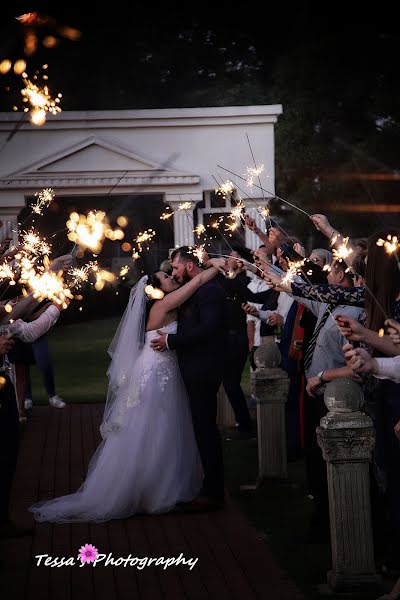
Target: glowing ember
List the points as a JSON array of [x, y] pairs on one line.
[[381, 332], [124, 270]]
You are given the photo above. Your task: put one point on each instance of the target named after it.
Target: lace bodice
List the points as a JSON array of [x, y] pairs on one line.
[[151, 335]]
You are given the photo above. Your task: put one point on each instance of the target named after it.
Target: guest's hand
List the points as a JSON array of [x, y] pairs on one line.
[[6, 343], [218, 263], [251, 224], [274, 280], [312, 385], [61, 263], [160, 343], [359, 360], [297, 247], [275, 319], [352, 330], [322, 224], [250, 310], [393, 329]]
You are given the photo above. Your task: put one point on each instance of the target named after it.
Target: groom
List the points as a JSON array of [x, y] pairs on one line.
[[200, 345]]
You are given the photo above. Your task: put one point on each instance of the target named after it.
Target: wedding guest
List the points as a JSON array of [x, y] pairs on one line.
[[42, 358], [9, 422]]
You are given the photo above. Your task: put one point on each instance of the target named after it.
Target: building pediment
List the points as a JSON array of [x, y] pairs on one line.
[[94, 160]]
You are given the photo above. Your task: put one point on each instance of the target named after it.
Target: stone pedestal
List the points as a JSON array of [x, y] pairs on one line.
[[347, 439], [270, 387], [225, 414]]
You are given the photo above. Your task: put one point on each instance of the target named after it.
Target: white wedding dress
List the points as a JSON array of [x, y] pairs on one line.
[[149, 459]]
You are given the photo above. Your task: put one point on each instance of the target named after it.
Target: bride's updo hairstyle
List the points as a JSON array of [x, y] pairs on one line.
[[153, 285]]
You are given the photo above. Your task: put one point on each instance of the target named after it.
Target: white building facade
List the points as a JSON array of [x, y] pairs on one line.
[[173, 152]]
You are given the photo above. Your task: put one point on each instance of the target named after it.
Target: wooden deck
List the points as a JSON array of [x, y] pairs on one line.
[[56, 447]]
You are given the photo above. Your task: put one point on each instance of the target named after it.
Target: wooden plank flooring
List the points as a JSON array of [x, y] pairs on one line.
[[233, 562]]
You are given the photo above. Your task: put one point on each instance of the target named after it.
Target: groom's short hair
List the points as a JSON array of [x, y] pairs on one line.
[[185, 254]]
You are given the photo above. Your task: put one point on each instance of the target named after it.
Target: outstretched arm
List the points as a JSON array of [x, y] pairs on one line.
[[178, 297], [336, 239]]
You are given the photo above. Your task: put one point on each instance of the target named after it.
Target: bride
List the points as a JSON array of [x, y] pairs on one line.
[[147, 461]]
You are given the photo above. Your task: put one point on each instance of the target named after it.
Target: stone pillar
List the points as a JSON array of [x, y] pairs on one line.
[[347, 439], [183, 219], [270, 387], [225, 414]]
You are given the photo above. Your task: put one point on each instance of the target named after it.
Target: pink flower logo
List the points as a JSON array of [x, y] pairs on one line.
[[88, 553]]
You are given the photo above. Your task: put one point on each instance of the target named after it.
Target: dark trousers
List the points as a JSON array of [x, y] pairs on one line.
[[237, 350], [43, 360], [314, 410], [9, 441], [203, 404]]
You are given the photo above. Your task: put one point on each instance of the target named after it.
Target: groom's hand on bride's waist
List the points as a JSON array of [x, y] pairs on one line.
[[160, 343]]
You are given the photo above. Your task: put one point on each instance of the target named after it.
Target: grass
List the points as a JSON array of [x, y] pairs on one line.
[[279, 510], [80, 360]]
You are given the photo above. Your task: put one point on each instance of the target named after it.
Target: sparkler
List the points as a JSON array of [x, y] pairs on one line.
[[252, 173], [260, 187], [199, 229], [294, 269], [391, 244], [199, 252], [40, 101], [142, 238], [44, 199], [34, 244], [45, 283], [226, 188], [165, 216], [185, 206], [89, 232], [342, 252]]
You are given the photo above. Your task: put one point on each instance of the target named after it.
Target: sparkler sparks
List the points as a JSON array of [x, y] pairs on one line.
[[34, 244], [79, 276], [199, 229], [185, 206], [45, 283], [40, 101], [391, 244], [166, 215], [226, 188], [142, 238], [200, 253], [252, 173], [343, 251], [44, 199], [294, 268], [89, 232]]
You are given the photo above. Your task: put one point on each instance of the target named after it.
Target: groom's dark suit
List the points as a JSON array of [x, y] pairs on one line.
[[199, 342]]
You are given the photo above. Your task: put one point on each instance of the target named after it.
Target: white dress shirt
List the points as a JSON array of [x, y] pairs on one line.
[[389, 368], [30, 332], [284, 303], [256, 285]]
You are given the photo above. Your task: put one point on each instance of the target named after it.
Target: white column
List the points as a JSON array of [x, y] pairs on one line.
[[11, 204], [183, 219]]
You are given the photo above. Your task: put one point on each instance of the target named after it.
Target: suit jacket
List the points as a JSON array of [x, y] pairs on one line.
[[201, 335]]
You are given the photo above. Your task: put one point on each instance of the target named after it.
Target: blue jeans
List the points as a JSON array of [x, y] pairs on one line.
[[43, 360]]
